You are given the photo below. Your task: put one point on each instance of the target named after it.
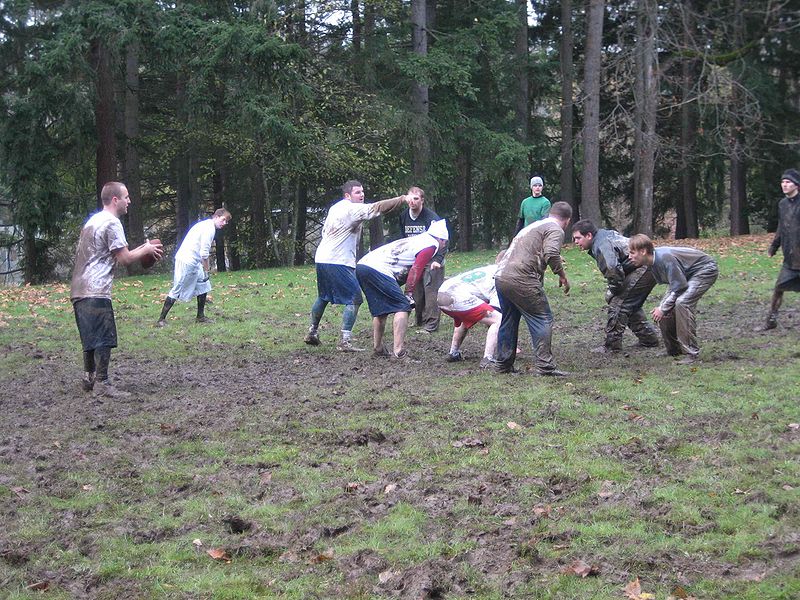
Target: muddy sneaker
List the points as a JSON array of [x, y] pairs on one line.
[[104, 388], [381, 352], [402, 354], [689, 360], [161, 323], [203, 320], [87, 382], [346, 346], [486, 363], [454, 357], [770, 323], [312, 338]]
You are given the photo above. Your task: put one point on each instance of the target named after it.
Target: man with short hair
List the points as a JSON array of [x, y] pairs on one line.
[[533, 208], [416, 219], [379, 273], [628, 285], [101, 246], [336, 260], [520, 288], [191, 276], [689, 273], [787, 237], [471, 298]]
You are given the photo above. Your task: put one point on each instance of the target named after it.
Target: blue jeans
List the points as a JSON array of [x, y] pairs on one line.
[[530, 303]]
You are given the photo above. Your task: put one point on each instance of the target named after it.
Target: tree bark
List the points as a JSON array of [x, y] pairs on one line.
[[590, 188], [299, 223], [687, 223], [131, 172], [521, 99], [738, 165], [106, 154], [259, 210], [419, 99], [464, 195], [219, 188], [566, 66], [647, 105]]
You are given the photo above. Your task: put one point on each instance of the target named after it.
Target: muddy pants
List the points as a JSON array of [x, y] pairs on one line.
[[426, 312], [625, 310], [679, 326], [529, 303]]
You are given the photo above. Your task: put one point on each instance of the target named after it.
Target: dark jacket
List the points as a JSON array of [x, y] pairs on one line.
[[788, 234], [409, 227]]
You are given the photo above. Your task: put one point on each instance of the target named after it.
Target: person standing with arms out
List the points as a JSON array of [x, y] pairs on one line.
[[787, 237], [413, 221], [689, 273], [628, 285], [535, 207], [520, 287], [101, 246], [380, 272], [336, 260], [190, 278]]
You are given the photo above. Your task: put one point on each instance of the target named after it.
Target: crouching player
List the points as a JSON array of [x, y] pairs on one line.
[[470, 298]]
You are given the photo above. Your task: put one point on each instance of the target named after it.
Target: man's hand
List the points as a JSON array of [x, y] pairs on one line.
[[564, 282], [658, 314], [435, 265], [410, 298], [156, 250], [770, 251]]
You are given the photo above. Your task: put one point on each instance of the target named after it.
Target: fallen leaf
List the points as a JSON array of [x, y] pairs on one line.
[[581, 569], [20, 491], [389, 488], [680, 593], [386, 576], [265, 477], [794, 426], [787, 487], [606, 489], [219, 554], [39, 586], [88, 487], [168, 428], [513, 425], [542, 511], [351, 486], [633, 590], [323, 556], [197, 542]]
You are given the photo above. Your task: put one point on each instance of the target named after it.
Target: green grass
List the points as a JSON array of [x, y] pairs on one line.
[[643, 468]]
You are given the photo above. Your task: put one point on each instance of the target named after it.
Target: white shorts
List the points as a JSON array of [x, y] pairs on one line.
[[190, 280]]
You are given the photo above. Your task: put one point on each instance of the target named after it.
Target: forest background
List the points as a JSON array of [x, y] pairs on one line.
[[674, 118]]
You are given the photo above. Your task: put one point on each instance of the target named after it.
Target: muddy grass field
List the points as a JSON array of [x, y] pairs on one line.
[[247, 465]]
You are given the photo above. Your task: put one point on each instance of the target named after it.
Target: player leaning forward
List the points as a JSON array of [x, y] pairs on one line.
[[101, 246], [380, 272], [190, 278], [689, 273], [336, 260]]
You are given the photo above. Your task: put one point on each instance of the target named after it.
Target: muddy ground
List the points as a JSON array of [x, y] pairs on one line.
[[50, 428]]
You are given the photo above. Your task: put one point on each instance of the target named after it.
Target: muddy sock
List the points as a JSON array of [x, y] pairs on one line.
[[201, 305], [166, 308], [88, 361], [453, 349], [349, 316], [103, 358], [316, 314], [346, 335]]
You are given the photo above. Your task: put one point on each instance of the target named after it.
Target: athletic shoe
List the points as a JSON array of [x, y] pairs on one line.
[[381, 352], [402, 354], [347, 346], [203, 320], [104, 388], [312, 338], [486, 363], [770, 323], [552, 373], [454, 357], [87, 382], [161, 323]]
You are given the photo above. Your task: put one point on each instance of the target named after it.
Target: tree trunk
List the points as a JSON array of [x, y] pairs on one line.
[[521, 99], [464, 195], [219, 188], [299, 224], [106, 155], [370, 78], [688, 226], [647, 105], [131, 171], [739, 224], [419, 98], [590, 188], [566, 64], [260, 212]]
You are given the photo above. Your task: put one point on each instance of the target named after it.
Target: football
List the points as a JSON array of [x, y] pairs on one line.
[[149, 260]]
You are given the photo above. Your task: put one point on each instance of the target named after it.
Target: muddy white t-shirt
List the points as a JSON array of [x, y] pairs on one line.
[[472, 288], [397, 258], [342, 229], [93, 273], [196, 245]]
